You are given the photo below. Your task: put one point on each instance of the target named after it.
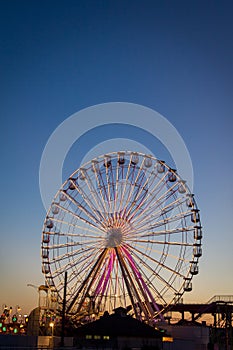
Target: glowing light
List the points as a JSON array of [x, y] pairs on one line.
[[167, 339]]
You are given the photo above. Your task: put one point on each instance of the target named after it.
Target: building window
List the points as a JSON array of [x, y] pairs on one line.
[[88, 336], [106, 337], [97, 337]]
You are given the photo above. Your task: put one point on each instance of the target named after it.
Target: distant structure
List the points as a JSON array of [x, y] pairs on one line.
[[46, 312]]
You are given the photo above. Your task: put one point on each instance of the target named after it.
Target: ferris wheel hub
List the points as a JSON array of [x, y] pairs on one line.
[[114, 237]]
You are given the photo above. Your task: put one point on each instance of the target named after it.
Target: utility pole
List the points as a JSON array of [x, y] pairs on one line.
[[63, 311]]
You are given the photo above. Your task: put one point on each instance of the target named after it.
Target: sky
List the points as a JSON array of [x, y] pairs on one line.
[[59, 57]]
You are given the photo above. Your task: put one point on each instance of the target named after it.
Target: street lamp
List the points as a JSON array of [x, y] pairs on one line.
[[52, 328]]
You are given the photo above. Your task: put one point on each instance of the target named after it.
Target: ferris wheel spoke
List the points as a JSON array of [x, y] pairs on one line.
[[153, 272], [65, 245], [168, 220], [164, 243], [134, 237], [71, 264], [91, 286], [150, 258], [150, 209], [162, 218], [111, 186], [116, 194], [98, 199], [84, 264], [135, 183], [141, 192], [157, 188], [148, 233], [94, 221], [134, 177], [92, 273], [76, 235], [90, 204], [149, 268], [160, 200], [97, 230], [70, 224], [171, 219], [59, 271], [71, 254], [133, 197], [74, 244], [85, 231], [102, 190], [163, 254], [121, 184]]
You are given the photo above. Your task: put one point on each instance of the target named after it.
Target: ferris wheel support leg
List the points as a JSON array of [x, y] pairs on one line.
[[128, 278], [143, 287], [93, 272]]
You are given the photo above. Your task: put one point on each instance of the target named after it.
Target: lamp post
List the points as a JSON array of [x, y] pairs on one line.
[[52, 328]]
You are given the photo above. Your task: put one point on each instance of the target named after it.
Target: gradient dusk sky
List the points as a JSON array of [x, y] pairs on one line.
[[58, 57]]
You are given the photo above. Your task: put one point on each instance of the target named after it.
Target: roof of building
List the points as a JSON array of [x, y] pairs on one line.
[[118, 324]]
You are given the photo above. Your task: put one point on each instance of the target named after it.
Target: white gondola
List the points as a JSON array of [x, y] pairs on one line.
[[147, 162], [45, 253], [46, 237], [190, 200], [121, 158], [134, 158], [49, 224], [194, 268], [72, 184], [55, 209], [160, 166], [62, 197], [172, 175], [197, 250], [195, 217], [45, 268], [182, 188], [197, 232], [187, 285], [107, 161]]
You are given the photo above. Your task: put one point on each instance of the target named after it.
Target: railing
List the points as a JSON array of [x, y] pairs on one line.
[[221, 298], [217, 299]]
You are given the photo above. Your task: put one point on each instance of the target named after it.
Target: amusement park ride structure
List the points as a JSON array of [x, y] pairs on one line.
[[126, 229]]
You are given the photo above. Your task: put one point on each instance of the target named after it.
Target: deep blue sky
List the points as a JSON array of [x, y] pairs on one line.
[[57, 57]]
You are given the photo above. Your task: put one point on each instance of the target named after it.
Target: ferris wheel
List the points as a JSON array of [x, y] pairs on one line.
[[127, 230]]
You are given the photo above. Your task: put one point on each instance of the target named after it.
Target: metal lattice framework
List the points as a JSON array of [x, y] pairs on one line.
[[127, 230]]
